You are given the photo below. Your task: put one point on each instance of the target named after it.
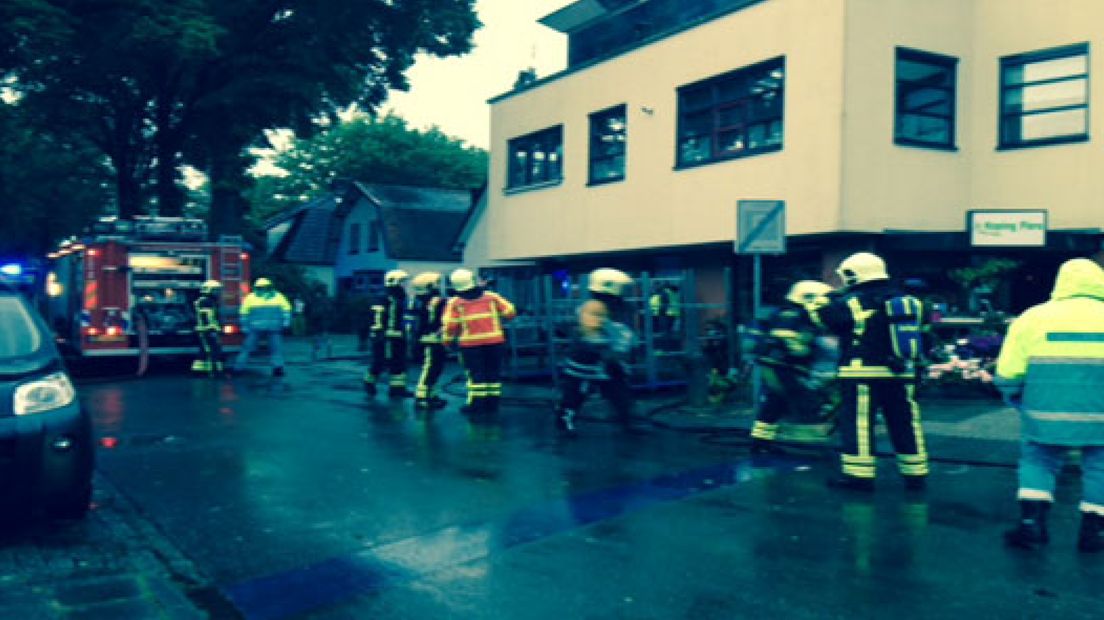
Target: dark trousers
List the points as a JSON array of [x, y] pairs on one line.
[[433, 362], [784, 396], [210, 350], [860, 402], [616, 390], [484, 367], [388, 354]]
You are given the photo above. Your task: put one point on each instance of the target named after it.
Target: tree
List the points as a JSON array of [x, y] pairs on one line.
[[49, 188], [158, 83], [383, 150]]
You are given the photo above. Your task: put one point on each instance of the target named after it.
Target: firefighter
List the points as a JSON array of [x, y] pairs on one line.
[[475, 317], [879, 331], [785, 352], [388, 335], [600, 345], [265, 313], [208, 329], [429, 307]]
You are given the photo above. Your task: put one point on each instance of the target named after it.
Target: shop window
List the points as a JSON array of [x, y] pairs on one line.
[[607, 145], [733, 115], [925, 99], [1044, 97], [536, 158]]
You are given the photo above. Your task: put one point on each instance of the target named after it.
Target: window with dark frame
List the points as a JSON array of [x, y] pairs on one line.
[[536, 158], [372, 242], [732, 115], [354, 238], [607, 145], [924, 112], [1044, 97]]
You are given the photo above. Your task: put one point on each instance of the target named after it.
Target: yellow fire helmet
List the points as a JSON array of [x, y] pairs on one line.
[[395, 277], [808, 292], [862, 267], [262, 283], [462, 280], [427, 282], [210, 286], [609, 281]]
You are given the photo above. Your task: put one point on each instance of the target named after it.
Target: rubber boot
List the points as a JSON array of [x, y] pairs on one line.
[[1032, 529], [1091, 538]]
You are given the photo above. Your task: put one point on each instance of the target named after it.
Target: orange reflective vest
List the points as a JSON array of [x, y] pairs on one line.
[[477, 322]]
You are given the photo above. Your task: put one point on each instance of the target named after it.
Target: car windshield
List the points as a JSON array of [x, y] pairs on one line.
[[19, 335]]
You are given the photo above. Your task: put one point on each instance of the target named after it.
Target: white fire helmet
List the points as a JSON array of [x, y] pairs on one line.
[[808, 292], [609, 281], [862, 267], [462, 280], [426, 282], [395, 277]]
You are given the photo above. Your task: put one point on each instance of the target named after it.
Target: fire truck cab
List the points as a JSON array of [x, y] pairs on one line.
[[128, 287]]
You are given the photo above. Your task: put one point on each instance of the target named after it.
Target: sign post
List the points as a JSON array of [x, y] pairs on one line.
[[760, 229]]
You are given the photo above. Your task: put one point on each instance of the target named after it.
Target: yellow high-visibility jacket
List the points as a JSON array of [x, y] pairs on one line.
[[1051, 366]]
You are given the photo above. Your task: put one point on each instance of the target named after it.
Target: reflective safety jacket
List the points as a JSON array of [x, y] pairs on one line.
[[387, 314], [428, 315], [879, 331], [206, 312], [1051, 365], [478, 321], [269, 313], [600, 346], [787, 339]]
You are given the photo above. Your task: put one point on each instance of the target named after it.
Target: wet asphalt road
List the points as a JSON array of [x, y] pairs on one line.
[[305, 498]]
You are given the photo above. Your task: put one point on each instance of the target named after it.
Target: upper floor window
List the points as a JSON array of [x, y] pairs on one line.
[[354, 238], [607, 145], [1044, 97], [736, 114], [372, 242], [535, 158], [925, 99]]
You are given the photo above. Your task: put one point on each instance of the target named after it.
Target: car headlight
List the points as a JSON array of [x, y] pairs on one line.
[[45, 394]]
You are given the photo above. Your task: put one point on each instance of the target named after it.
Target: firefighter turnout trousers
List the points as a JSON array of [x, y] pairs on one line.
[[210, 353], [433, 363], [861, 401], [484, 367], [388, 355]]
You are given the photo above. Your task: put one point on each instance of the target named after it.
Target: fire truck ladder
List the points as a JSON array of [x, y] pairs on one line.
[[230, 263]]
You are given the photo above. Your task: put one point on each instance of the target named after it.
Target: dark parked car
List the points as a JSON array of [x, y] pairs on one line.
[[46, 446]]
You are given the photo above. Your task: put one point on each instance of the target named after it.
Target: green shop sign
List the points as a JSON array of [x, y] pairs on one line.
[[1007, 228]]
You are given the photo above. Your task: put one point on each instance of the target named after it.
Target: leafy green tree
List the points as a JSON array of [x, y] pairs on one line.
[[383, 150], [159, 83], [39, 204]]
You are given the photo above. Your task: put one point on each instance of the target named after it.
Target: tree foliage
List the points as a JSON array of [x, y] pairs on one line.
[[383, 150], [38, 204], [158, 83]]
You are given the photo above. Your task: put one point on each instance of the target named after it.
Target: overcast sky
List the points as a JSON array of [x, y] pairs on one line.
[[452, 93]]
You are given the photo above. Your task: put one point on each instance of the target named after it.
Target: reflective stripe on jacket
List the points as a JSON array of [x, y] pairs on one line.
[[268, 313], [477, 322], [206, 309], [1051, 365]]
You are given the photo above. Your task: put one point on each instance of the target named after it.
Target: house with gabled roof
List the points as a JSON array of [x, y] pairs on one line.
[[348, 238]]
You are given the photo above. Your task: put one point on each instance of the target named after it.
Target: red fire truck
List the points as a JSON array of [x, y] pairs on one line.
[[128, 287]]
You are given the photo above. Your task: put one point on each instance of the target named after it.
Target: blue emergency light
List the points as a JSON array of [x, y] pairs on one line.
[[12, 269]]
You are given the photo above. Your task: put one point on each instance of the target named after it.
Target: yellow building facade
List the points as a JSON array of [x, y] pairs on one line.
[[880, 123]]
